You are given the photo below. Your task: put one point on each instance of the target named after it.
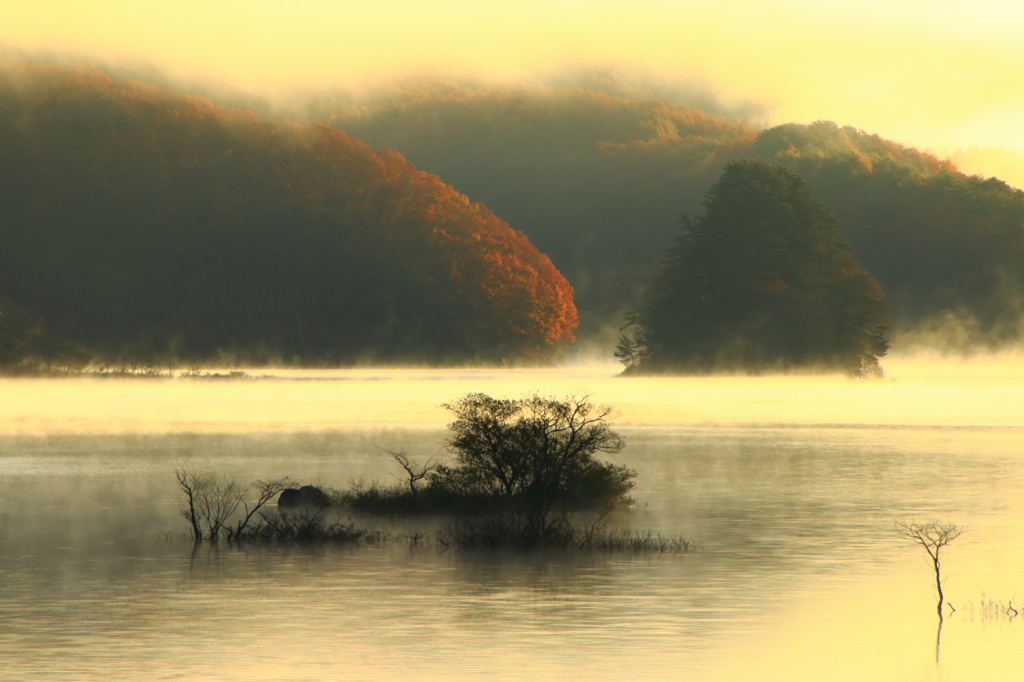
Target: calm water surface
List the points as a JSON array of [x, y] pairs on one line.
[[790, 485]]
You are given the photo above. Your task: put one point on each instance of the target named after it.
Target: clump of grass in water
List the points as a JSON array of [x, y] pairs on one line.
[[520, 532], [990, 609], [306, 527], [642, 542]]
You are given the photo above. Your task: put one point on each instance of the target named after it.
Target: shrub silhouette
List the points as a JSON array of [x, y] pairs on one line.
[[523, 467]]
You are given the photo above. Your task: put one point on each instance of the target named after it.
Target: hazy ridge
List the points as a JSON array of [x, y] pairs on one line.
[[599, 173], [140, 220], [137, 221]]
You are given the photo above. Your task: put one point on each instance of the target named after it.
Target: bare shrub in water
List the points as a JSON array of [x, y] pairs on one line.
[[210, 502], [216, 506], [933, 536], [415, 471]]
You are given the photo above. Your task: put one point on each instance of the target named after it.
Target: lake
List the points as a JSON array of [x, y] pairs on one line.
[[790, 485]]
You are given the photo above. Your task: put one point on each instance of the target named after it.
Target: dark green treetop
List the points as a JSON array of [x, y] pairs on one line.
[[763, 281]]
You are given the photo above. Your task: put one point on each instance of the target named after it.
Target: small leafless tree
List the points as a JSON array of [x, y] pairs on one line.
[[212, 501], [265, 492], [218, 502], [933, 536], [192, 485], [415, 470]]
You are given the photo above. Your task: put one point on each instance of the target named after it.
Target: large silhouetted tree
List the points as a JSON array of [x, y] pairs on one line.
[[762, 281]]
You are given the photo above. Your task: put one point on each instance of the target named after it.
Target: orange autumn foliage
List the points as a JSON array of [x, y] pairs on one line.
[[134, 215]]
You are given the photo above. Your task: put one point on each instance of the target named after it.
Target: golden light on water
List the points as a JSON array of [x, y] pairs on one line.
[[926, 391], [790, 484]]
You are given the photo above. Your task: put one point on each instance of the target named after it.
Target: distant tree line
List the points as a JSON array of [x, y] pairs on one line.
[[598, 174], [135, 221], [141, 227]]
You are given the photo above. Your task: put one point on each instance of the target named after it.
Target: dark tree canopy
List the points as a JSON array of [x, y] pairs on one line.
[[537, 449], [134, 217], [763, 281]]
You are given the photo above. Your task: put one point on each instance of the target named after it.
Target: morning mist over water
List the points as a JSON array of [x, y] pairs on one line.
[[190, 190], [790, 485], [920, 390]]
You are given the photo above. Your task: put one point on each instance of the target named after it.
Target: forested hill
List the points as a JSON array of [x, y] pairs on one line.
[[599, 176], [134, 220]]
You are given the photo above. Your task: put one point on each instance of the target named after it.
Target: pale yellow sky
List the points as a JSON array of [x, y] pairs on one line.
[[943, 76]]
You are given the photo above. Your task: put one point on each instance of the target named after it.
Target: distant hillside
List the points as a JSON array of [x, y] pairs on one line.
[[599, 177], [947, 248], [598, 181], [133, 220]]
